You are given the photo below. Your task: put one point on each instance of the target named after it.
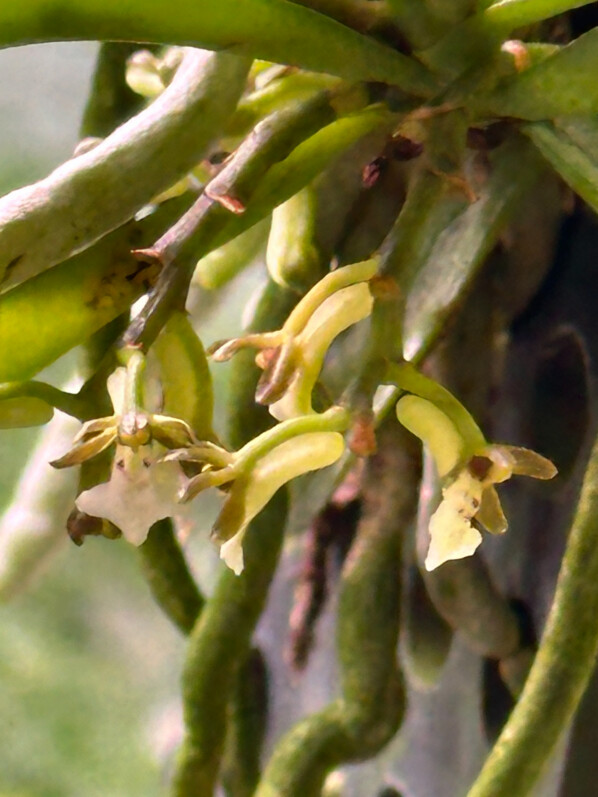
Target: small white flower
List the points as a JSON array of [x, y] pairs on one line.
[[140, 492]]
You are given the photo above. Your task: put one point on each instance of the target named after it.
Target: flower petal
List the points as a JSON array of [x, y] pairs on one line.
[[138, 494], [251, 493], [451, 534], [451, 537], [171, 432], [94, 427], [116, 389], [231, 552], [223, 350], [528, 463], [86, 449], [490, 513]]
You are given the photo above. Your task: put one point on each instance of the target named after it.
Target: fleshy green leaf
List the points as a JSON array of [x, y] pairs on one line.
[[475, 39], [47, 315], [305, 162], [562, 84], [274, 30], [464, 244], [571, 146]]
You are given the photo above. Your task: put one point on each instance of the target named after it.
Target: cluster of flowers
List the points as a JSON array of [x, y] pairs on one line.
[[154, 453]]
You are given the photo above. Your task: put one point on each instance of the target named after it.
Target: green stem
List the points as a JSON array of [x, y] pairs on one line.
[[273, 30], [408, 378], [168, 296], [326, 287], [92, 194], [284, 168], [270, 142], [563, 665], [370, 710], [218, 643], [70, 403], [168, 576], [133, 394], [434, 263], [194, 234], [335, 419], [308, 159], [247, 728]]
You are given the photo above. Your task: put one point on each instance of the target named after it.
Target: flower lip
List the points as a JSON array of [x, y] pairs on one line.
[[141, 490]]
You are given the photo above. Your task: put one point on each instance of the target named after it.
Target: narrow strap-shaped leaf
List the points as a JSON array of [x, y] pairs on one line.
[[562, 84], [275, 30], [479, 35], [46, 316], [462, 247], [571, 147], [517, 13]]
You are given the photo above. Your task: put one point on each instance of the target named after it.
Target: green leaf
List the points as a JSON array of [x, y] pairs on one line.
[[310, 158], [517, 13], [274, 30], [562, 84], [462, 247], [289, 175], [478, 37], [571, 146], [44, 317]]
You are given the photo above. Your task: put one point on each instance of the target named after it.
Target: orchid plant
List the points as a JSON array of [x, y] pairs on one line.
[[372, 167]]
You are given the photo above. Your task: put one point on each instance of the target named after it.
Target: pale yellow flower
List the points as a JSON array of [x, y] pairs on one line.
[[469, 476]]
